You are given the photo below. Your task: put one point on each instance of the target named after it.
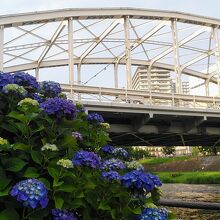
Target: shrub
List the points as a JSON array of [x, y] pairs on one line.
[[52, 165]]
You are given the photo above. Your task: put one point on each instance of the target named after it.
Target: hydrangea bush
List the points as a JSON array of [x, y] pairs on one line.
[[56, 161]]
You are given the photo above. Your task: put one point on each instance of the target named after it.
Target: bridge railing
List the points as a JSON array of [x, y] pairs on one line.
[[102, 94]]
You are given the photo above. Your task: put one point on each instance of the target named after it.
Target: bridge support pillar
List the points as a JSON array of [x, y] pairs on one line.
[[1, 48], [116, 75], [79, 74], [127, 52], [37, 73], [207, 87], [217, 55], [176, 56], [70, 51]]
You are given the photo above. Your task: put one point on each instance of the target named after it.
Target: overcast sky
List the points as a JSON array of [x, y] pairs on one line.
[[201, 7]]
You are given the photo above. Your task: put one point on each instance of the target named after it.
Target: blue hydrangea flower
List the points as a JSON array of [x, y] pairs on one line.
[[120, 152], [94, 118], [27, 81], [113, 164], [36, 97], [63, 215], [108, 149], [86, 158], [111, 175], [31, 192], [153, 214], [50, 89], [59, 108], [140, 180], [5, 79]]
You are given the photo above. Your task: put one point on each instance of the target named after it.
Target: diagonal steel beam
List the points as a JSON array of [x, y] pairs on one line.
[[96, 38], [100, 38], [53, 39], [181, 43], [133, 28], [196, 59], [145, 37]]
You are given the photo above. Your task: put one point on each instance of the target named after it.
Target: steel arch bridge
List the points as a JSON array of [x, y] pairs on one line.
[[184, 44]]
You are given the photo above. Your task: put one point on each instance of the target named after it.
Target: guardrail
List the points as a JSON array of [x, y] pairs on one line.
[[104, 94], [189, 204]]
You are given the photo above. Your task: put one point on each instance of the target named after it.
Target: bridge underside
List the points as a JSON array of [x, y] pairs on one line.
[[132, 125]]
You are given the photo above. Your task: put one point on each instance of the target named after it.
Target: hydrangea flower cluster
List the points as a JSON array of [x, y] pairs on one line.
[[120, 152], [36, 97], [59, 108], [50, 88], [94, 118], [134, 165], [140, 180], [27, 81], [66, 163], [28, 102], [3, 141], [50, 147], [86, 158], [63, 215], [107, 149], [5, 79], [77, 135], [153, 214], [14, 89], [31, 192], [105, 125], [113, 164], [111, 175]]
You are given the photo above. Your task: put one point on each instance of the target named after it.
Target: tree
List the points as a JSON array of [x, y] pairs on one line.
[[209, 150], [168, 150]]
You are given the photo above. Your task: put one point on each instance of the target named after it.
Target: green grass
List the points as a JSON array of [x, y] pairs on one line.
[[190, 177], [159, 160]]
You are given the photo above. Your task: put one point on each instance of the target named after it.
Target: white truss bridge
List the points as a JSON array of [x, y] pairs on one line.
[[124, 39]]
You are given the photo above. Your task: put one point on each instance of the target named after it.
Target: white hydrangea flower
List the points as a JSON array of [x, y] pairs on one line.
[[66, 163], [3, 141], [50, 147], [28, 101], [105, 125]]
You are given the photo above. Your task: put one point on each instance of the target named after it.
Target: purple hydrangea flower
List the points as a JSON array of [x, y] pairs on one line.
[[36, 97], [140, 180], [153, 213], [108, 149], [5, 79], [31, 192], [120, 152], [111, 175], [113, 164], [86, 158], [59, 108], [27, 81], [50, 89], [59, 214], [94, 118], [77, 135]]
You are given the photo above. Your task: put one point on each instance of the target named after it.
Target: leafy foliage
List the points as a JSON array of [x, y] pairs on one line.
[[50, 159]]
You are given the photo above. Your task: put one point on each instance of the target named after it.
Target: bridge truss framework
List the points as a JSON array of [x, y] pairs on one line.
[[182, 43]]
